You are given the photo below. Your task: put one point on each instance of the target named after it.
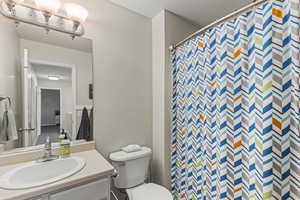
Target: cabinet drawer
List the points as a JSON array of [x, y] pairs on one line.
[[98, 190], [43, 197]]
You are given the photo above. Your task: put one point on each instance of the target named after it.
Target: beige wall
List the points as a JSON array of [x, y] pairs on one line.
[[122, 74], [167, 29], [83, 62], [9, 67]]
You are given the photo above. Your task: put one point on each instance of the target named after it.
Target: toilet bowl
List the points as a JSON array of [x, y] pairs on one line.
[[149, 191], [132, 168]]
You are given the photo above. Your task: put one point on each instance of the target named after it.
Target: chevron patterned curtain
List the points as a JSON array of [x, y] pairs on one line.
[[235, 108]]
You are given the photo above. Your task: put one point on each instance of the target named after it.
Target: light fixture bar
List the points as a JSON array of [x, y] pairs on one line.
[[78, 33]]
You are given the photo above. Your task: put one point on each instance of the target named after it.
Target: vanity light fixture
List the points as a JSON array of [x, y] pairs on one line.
[[53, 78], [16, 1], [76, 13], [49, 9], [11, 5], [50, 6]]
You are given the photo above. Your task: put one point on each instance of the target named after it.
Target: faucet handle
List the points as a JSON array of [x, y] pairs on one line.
[[48, 152]]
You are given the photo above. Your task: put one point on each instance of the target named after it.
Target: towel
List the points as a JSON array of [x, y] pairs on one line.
[[8, 129], [84, 131], [131, 148], [92, 123]]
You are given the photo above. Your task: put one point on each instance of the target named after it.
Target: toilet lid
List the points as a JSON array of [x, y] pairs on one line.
[[149, 191]]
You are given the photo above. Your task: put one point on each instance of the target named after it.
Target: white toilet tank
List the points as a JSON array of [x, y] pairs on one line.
[[132, 167]]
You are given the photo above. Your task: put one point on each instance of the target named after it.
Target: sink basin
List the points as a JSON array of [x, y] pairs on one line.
[[34, 174]]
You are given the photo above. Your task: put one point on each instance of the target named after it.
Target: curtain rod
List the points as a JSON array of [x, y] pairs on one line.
[[219, 21]]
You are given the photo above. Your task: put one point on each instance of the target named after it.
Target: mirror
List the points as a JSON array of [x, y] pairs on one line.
[[46, 82]]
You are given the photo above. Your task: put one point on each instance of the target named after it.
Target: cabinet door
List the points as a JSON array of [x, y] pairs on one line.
[[98, 190], [43, 197]]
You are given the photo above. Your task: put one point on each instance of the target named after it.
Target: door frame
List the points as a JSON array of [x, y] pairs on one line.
[[25, 110], [74, 85]]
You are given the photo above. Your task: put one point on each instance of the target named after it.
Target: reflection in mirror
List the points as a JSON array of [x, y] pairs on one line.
[[45, 81]]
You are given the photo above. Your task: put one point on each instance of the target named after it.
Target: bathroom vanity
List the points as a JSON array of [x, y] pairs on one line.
[[91, 183], [98, 189]]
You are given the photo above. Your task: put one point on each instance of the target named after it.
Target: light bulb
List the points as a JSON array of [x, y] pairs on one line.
[[76, 12], [53, 78], [11, 4], [50, 6]]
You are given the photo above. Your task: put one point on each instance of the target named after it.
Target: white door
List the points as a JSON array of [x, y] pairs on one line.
[[29, 99]]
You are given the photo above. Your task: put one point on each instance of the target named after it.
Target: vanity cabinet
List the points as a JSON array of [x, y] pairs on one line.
[[95, 190]]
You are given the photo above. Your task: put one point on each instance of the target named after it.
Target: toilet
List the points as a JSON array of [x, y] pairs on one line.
[[132, 170]]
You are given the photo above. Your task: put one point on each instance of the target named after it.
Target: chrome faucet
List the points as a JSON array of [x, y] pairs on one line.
[[48, 156]]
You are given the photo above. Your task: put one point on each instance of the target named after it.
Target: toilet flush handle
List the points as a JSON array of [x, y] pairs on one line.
[[116, 167], [115, 173]]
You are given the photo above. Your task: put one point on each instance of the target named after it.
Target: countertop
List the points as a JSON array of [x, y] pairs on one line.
[[96, 166]]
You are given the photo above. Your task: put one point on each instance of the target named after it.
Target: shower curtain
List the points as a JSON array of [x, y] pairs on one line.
[[235, 126]]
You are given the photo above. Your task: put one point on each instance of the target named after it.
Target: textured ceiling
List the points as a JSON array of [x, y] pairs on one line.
[[201, 12]]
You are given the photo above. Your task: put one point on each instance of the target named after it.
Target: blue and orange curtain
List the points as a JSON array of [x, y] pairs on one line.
[[236, 116]]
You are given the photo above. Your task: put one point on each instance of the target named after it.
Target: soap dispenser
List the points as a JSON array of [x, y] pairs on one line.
[[65, 147]]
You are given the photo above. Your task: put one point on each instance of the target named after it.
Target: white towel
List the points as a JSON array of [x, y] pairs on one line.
[[132, 148], [8, 129]]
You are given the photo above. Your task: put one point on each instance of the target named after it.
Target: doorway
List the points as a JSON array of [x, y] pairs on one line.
[[61, 76], [49, 114]]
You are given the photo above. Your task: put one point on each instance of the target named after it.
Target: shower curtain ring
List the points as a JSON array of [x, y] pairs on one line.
[[171, 47]]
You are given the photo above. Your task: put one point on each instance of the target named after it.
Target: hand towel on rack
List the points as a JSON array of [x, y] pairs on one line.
[[84, 131], [8, 129], [92, 124]]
